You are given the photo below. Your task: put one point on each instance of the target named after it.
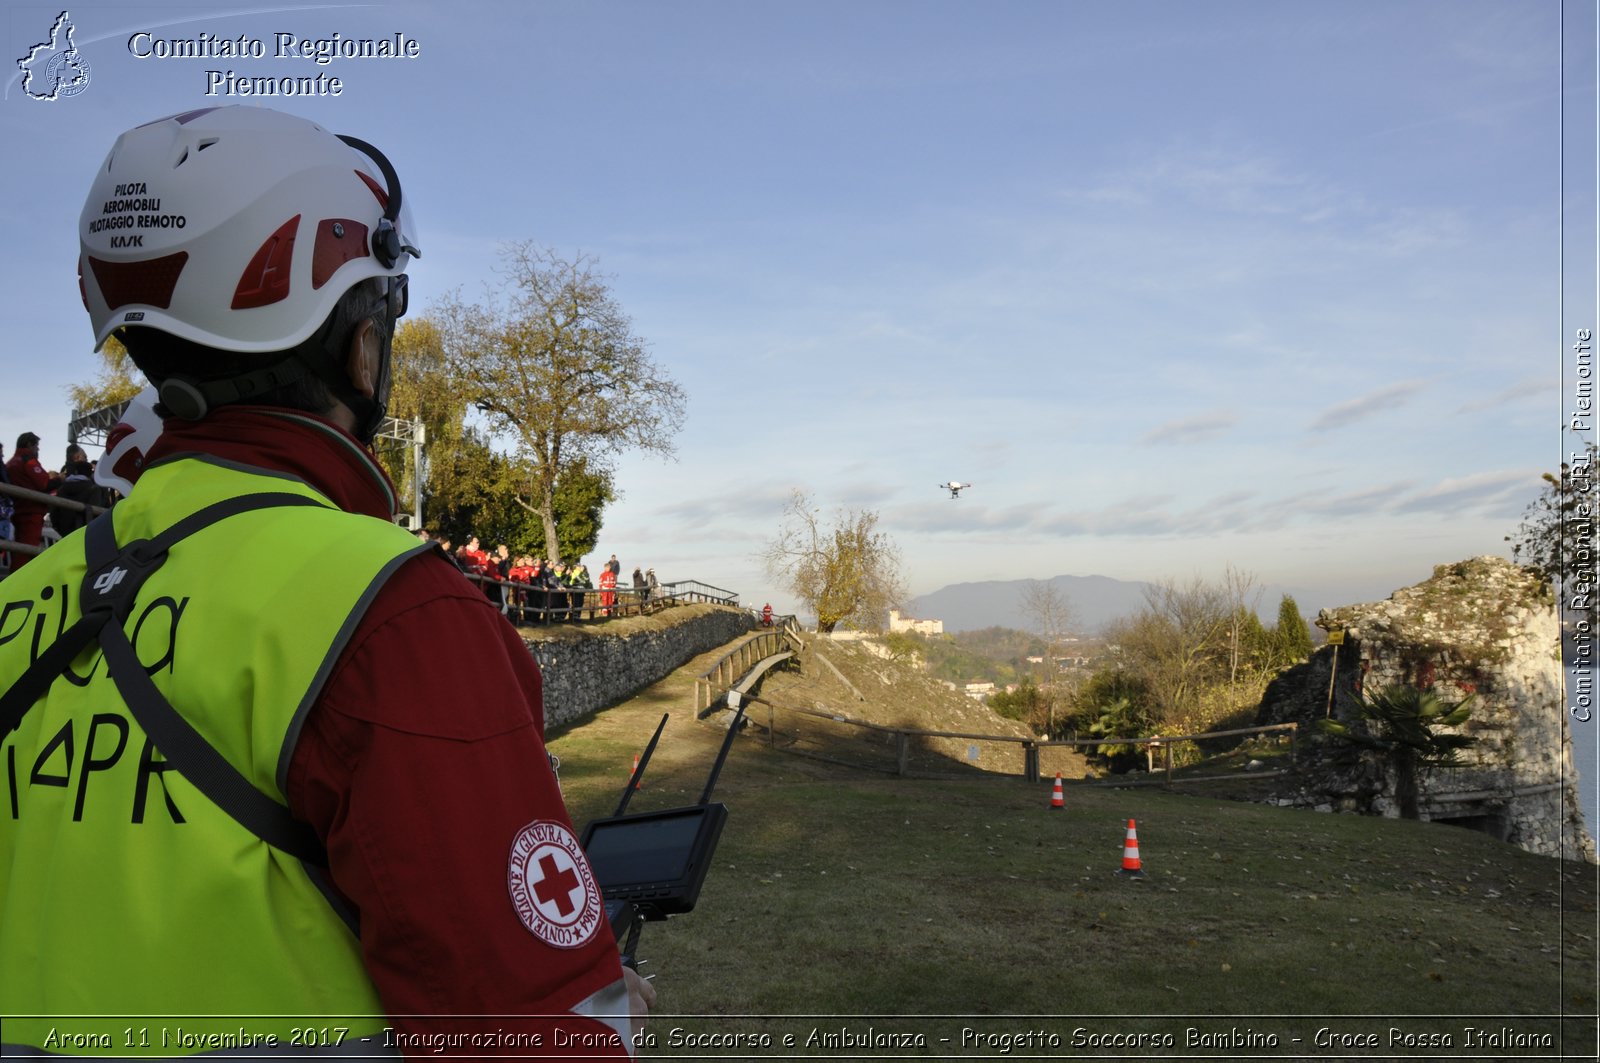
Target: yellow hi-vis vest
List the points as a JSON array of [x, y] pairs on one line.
[[136, 916]]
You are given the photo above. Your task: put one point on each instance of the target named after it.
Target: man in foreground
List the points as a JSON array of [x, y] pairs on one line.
[[310, 778]]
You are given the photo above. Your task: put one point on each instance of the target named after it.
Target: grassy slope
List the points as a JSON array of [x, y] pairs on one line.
[[838, 891]]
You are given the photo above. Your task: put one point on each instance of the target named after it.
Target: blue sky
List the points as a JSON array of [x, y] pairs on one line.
[[1175, 285]]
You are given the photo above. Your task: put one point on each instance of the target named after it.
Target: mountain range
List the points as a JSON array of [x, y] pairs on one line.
[[1094, 601]]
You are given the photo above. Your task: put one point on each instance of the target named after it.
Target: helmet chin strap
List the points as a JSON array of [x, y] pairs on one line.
[[191, 399]]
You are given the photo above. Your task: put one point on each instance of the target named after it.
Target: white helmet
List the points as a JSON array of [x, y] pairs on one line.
[[237, 228], [128, 443]]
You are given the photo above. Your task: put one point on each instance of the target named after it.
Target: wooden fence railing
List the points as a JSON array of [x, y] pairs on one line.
[[1030, 747], [11, 545], [739, 661], [692, 590]]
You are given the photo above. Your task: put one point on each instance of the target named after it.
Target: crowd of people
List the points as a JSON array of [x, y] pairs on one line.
[[529, 589], [23, 520], [526, 588]]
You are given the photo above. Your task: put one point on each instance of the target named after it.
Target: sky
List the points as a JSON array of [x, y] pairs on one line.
[[1175, 286]]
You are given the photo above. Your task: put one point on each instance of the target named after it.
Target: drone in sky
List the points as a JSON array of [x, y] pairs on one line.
[[955, 488]]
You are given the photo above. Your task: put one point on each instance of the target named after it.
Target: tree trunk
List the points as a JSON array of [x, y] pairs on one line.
[[1405, 784], [547, 516]]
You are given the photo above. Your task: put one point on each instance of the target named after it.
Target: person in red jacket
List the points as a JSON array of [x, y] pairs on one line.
[[24, 470], [419, 760], [522, 574], [608, 588]]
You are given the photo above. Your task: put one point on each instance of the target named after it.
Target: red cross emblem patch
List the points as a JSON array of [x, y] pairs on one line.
[[551, 886]]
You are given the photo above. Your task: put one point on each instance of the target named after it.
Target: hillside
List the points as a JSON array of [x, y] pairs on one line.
[[964, 896], [848, 681]]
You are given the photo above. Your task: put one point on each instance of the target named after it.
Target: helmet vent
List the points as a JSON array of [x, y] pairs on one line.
[[338, 241], [377, 190], [149, 282], [202, 146], [266, 279]]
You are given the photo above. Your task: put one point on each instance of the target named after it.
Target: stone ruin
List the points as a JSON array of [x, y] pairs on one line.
[[1483, 627]]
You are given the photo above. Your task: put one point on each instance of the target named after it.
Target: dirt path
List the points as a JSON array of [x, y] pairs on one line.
[[597, 752]]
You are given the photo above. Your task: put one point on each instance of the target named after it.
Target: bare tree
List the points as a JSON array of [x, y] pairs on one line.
[[557, 368], [1048, 607], [1177, 642], [846, 570], [1243, 594]]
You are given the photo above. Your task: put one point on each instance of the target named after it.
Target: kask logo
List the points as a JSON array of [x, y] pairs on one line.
[[55, 69]]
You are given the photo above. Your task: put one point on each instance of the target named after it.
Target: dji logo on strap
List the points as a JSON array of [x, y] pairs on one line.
[[104, 582]]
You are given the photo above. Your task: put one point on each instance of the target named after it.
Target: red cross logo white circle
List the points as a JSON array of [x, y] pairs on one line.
[[552, 887]]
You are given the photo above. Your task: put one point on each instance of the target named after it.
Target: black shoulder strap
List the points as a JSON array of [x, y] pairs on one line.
[[113, 578]]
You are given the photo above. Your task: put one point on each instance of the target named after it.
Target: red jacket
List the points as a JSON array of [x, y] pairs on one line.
[[476, 562], [420, 764], [25, 471]]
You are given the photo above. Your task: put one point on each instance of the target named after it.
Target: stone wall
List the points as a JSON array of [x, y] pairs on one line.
[[586, 669], [1484, 628]]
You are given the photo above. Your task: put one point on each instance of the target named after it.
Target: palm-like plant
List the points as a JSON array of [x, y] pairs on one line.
[[1116, 719], [1404, 723]]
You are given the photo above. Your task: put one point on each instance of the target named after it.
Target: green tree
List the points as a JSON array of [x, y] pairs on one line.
[[1291, 637], [1403, 723], [955, 661], [471, 488], [848, 570], [1114, 702], [1027, 703], [1556, 538], [552, 363], [904, 646], [421, 390]]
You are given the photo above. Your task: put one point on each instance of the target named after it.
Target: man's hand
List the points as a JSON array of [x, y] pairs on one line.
[[641, 998]]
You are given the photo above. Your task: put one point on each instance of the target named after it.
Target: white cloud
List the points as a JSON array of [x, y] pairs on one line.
[[1193, 429], [1391, 397]]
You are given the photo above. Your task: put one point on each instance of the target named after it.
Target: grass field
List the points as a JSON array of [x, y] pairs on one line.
[[858, 913]]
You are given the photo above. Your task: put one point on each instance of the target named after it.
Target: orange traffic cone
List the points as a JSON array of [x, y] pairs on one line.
[[1130, 855], [1058, 801], [637, 785]]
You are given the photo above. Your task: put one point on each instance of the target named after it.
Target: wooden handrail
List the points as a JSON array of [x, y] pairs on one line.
[[1030, 746], [51, 500], [735, 663]]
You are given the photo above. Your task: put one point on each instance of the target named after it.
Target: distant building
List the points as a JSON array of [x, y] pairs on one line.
[[915, 627]]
